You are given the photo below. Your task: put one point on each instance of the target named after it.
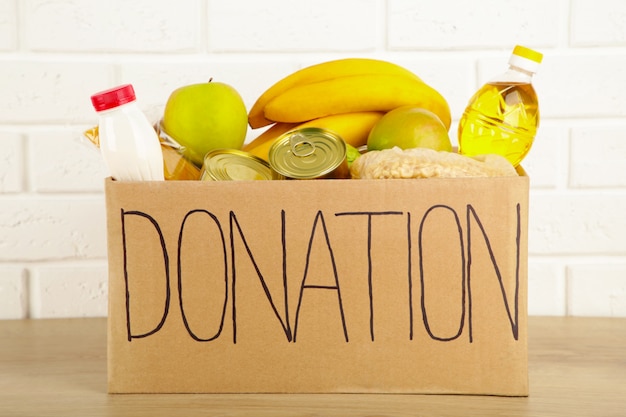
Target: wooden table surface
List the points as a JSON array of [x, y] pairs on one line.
[[58, 368]]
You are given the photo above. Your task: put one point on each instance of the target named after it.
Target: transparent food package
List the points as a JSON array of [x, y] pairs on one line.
[[177, 167]]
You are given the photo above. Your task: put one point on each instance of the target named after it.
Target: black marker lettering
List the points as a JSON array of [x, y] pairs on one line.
[[513, 318], [422, 281], [320, 217], [134, 261], [369, 215], [284, 323], [126, 278], [410, 273], [180, 277]]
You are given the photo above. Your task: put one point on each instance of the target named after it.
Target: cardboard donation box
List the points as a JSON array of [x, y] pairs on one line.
[[334, 286]]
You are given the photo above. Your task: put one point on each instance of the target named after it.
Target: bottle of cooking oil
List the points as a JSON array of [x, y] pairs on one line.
[[503, 115]]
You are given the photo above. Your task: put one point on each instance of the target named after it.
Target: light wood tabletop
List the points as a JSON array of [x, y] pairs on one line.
[[58, 368]]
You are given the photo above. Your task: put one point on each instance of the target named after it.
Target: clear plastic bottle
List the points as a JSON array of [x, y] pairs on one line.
[[129, 144], [503, 115]]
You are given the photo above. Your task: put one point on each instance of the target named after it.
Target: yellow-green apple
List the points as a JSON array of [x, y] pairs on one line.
[[206, 116], [409, 127]]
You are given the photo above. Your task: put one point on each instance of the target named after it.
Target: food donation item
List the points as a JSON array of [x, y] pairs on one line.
[[175, 165], [353, 128], [235, 165], [409, 127], [128, 142], [309, 153], [323, 71], [345, 86], [205, 116], [371, 117], [396, 163], [503, 115]]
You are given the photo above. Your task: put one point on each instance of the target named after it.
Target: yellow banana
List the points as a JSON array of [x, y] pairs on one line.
[[323, 72], [272, 133], [377, 92], [352, 127]]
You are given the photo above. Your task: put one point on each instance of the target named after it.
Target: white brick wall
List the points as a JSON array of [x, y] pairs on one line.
[[54, 55]]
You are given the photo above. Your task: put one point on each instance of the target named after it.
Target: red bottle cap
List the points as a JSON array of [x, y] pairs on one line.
[[113, 97]]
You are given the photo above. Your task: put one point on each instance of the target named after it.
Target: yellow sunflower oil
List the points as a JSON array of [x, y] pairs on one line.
[[502, 117]]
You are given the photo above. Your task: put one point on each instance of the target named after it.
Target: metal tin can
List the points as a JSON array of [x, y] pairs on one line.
[[309, 153], [236, 165]]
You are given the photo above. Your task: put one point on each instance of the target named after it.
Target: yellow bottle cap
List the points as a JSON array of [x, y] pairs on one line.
[[528, 53]]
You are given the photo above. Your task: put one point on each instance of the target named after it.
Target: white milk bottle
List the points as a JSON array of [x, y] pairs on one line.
[[129, 144]]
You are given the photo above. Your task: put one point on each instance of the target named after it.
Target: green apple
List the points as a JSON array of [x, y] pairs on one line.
[[206, 116], [409, 127]]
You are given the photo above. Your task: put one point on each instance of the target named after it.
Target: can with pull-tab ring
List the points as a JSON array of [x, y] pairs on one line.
[[236, 165], [309, 153]]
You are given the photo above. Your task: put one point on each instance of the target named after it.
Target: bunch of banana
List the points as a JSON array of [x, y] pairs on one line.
[[352, 127], [346, 96]]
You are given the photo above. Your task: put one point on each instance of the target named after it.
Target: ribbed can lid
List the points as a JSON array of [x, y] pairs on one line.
[[114, 97], [526, 58], [307, 153], [235, 165]]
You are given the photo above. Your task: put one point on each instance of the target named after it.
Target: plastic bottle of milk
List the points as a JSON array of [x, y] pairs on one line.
[[129, 144]]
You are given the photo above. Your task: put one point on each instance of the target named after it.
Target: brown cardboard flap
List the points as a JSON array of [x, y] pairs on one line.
[[399, 286]]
